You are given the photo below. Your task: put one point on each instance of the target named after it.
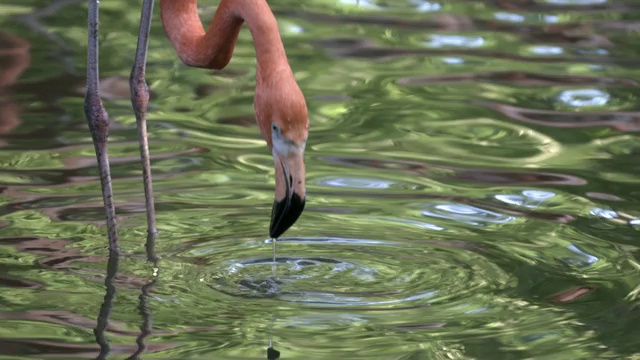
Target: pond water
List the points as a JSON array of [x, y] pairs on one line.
[[473, 187]]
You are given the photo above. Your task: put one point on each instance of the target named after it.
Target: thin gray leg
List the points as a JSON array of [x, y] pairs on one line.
[[140, 100], [98, 120]]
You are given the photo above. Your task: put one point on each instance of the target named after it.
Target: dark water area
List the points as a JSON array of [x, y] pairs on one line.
[[473, 189]]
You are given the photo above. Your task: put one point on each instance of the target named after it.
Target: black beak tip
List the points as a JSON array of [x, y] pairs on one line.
[[284, 214]]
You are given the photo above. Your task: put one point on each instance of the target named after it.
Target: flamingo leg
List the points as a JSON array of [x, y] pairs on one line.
[[98, 120], [140, 100]]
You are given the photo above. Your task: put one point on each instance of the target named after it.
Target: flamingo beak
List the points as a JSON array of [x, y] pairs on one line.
[[290, 192]]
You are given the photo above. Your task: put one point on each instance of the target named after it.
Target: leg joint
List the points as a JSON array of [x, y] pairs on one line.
[[97, 116], [139, 91]]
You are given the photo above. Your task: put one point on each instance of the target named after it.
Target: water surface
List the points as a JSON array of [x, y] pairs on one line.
[[472, 188]]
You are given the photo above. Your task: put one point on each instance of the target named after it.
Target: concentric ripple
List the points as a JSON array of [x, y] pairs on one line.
[[356, 272]]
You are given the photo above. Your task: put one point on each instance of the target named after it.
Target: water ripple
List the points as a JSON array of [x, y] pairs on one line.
[[376, 271]]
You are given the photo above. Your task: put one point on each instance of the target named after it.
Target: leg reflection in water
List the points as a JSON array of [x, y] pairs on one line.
[[107, 305], [144, 309]]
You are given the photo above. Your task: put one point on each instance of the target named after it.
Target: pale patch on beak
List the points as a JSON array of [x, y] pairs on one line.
[[290, 190]]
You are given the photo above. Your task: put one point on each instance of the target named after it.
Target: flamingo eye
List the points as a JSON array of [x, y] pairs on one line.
[[275, 129]]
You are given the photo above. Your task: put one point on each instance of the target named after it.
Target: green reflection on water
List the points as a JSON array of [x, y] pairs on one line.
[[472, 189]]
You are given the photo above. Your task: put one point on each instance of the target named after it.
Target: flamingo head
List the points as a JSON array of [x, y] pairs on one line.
[[286, 128]]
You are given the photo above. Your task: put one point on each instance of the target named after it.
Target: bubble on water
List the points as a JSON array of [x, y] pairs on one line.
[[529, 198], [511, 17], [426, 6], [603, 213], [360, 183], [467, 214], [584, 97], [546, 50], [453, 60], [440, 40]]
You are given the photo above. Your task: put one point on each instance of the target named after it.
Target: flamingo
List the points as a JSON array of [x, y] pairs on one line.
[[279, 104]]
